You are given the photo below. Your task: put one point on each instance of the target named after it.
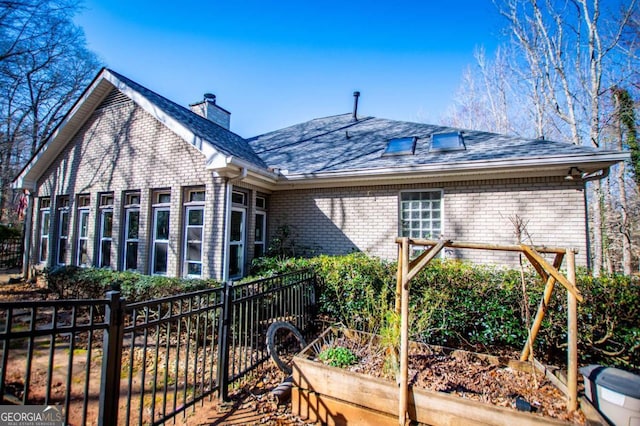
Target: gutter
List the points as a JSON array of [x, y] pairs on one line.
[[227, 217], [466, 167]]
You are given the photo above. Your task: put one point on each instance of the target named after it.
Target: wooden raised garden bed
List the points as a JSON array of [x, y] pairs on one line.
[[340, 396]]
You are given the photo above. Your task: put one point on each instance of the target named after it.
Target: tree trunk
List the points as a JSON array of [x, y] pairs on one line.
[[596, 228]]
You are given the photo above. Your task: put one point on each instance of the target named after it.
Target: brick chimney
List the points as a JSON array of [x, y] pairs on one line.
[[208, 109]]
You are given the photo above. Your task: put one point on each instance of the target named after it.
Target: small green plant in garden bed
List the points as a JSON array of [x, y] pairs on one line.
[[338, 357]]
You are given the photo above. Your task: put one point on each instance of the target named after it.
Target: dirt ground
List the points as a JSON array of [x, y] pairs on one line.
[[468, 376]]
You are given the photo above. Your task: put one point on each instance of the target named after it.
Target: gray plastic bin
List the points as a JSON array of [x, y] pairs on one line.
[[614, 392]]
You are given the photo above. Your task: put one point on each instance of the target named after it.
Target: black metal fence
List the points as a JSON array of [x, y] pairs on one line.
[[143, 363], [11, 252]]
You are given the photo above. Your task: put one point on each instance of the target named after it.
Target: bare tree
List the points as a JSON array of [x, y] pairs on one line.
[[625, 137], [485, 100], [44, 66], [563, 58]]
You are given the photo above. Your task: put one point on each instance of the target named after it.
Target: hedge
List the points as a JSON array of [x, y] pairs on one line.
[[72, 282], [482, 308]]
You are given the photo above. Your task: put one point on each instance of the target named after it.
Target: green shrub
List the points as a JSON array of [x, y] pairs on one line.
[[353, 289], [9, 232], [72, 282], [608, 321]]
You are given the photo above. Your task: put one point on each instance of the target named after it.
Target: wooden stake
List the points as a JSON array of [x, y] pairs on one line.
[[404, 337], [572, 335], [399, 279], [542, 308]]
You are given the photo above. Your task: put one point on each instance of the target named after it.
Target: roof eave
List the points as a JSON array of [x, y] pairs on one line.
[[452, 172]]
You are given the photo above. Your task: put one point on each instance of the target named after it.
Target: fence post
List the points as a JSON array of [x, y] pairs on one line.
[[111, 361], [223, 344]]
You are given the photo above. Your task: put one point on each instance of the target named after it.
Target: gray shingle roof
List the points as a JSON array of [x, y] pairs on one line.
[[222, 139], [340, 144]]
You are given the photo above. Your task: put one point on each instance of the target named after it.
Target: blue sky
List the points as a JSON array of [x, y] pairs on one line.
[[274, 64]]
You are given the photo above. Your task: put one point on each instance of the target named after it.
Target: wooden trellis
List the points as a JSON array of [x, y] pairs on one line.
[[408, 269]]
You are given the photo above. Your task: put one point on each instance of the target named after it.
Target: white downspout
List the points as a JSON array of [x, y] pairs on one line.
[[227, 218], [27, 232], [588, 177]]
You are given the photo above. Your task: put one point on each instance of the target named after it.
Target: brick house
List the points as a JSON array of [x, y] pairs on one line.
[[132, 181]]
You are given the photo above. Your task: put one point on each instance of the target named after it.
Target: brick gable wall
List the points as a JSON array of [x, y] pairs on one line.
[[123, 148]]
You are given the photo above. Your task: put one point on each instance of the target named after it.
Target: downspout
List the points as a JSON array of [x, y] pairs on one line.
[[26, 238], [227, 218], [588, 178]]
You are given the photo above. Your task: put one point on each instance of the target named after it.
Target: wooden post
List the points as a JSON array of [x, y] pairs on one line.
[[542, 308], [572, 335], [399, 278], [404, 337]]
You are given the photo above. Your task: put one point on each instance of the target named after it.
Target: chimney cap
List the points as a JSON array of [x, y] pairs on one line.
[[210, 97]]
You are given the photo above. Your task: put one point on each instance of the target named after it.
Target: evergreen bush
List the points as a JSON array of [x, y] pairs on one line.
[[72, 282], [478, 307]]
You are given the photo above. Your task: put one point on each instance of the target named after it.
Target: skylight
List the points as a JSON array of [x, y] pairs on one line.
[[400, 146], [452, 141]]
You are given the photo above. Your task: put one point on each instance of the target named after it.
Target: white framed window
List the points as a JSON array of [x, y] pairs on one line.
[[45, 223], [131, 231], [260, 234], [421, 214], [106, 230], [239, 198], [237, 234], [236, 242], [160, 232], [193, 232], [63, 229], [82, 249]]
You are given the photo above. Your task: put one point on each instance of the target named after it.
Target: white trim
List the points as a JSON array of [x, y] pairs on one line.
[[227, 218], [473, 167]]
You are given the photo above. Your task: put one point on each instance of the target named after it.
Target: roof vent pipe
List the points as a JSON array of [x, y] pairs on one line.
[[356, 95]]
